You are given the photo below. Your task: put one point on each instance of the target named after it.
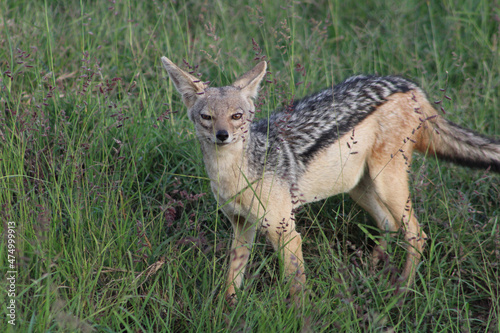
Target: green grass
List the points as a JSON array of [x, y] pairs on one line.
[[116, 229]]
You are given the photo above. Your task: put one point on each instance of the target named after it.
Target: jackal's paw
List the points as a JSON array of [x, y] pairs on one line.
[[231, 300], [378, 255]]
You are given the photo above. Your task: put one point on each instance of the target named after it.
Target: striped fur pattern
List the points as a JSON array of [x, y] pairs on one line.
[[293, 138]]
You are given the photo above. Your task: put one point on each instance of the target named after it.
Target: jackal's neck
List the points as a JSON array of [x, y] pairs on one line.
[[227, 162]]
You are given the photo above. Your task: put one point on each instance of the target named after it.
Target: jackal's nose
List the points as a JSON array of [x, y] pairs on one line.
[[222, 135]]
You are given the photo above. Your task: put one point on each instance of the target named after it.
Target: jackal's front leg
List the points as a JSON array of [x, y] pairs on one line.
[[288, 241], [243, 239]]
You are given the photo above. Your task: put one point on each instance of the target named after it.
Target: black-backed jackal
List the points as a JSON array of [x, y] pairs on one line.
[[356, 137]]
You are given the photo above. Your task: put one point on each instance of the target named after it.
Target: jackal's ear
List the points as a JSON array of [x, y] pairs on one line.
[[189, 86], [250, 81]]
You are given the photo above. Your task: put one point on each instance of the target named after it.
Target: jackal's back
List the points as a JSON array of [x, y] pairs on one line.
[[287, 141]]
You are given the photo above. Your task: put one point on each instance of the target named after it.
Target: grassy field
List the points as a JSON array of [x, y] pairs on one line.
[[106, 208]]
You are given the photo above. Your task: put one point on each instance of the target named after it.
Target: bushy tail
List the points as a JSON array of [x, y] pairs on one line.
[[460, 145]]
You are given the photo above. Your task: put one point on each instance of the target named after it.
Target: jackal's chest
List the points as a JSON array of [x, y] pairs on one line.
[[232, 197], [227, 182], [233, 184]]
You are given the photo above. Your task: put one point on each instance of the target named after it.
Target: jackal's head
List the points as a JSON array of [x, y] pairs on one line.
[[221, 116]]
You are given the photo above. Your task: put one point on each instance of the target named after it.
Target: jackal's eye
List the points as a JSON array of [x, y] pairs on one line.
[[237, 116], [205, 117]]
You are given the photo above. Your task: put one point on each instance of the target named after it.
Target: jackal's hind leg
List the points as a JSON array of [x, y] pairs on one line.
[[365, 196], [391, 190]]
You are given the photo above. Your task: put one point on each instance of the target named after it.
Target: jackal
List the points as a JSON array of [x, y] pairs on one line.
[[356, 137]]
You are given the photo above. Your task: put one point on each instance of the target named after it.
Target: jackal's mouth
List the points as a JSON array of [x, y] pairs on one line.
[[217, 142], [220, 144]]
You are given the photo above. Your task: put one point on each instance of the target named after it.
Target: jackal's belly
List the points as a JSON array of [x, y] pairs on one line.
[[339, 167]]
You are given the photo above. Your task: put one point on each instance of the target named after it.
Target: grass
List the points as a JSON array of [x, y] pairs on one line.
[[115, 226]]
